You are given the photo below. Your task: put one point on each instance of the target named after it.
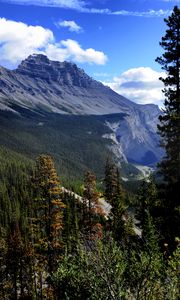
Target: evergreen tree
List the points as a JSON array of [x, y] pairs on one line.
[[114, 194], [92, 209], [90, 196], [14, 258], [149, 234], [169, 127], [147, 199], [173, 274], [118, 209], [49, 209], [71, 222], [110, 180]]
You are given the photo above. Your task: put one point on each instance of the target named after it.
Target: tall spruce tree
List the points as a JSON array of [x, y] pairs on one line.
[[90, 199], [117, 210], [115, 195], [147, 197], [169, 127], [110, 180], [49, 208]]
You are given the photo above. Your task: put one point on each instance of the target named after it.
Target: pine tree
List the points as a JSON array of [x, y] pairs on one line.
[[114, 194], [71, 222], [147, 199], [149, 234], [169, 127], [110, 180], [49, 209], [92, 210], [14, 258], [118, 209]]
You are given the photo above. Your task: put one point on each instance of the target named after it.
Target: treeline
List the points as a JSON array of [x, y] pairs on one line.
[[55, 245]]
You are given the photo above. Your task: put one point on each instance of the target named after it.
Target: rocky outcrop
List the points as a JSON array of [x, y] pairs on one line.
[[64, 73], [136, 136]]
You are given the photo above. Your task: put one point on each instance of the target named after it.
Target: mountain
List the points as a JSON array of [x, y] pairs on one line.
[[59, 87], [42, 88]]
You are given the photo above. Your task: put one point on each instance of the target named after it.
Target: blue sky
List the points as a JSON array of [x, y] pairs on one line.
[[114, 41]]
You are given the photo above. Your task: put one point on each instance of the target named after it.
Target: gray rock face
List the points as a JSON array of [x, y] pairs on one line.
[[63, 73], [137, 137], [61, 87]]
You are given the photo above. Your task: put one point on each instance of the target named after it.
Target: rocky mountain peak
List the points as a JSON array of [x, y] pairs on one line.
[[65, 73]]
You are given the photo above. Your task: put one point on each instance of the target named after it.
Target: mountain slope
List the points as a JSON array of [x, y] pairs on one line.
[[76, 142], [42, 86]]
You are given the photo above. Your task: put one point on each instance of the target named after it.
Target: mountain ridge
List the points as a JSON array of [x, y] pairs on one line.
[[66, 74], [41, 85]]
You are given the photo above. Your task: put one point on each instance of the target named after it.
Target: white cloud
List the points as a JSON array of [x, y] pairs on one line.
[[71, 25], [147, 14], [18, 40], [70, 49], [74, 4], [81, 6], [141, 85], [127, 13]]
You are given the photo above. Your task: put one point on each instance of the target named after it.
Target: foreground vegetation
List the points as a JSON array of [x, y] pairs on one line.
[[54, 246]]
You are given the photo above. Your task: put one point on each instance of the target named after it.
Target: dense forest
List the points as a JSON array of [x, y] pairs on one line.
[[55, 244]]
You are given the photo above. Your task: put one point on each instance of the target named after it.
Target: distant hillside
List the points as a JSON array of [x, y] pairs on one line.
[[75, 142]]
